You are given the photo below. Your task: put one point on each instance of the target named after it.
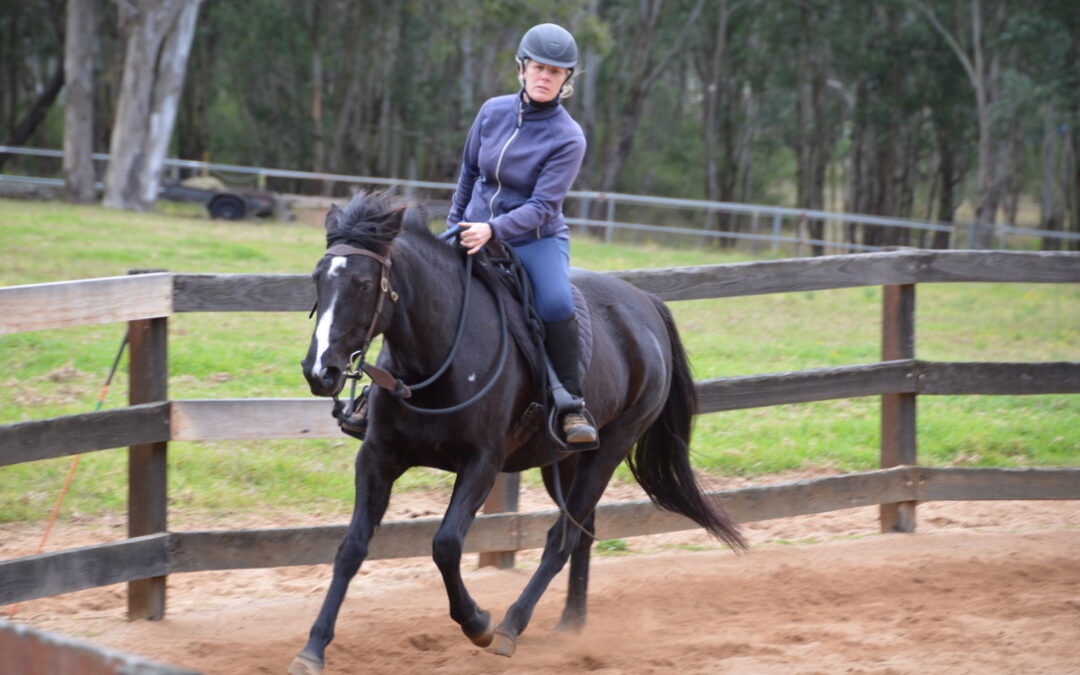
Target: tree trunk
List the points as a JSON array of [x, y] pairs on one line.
[[159, 35], [80, 55], [989, 195], [982, 70], [36, 115], [813, 136], [1071, 180], [641, 75], [193, 123], [316, 111], [1052, 213], [949, 177]]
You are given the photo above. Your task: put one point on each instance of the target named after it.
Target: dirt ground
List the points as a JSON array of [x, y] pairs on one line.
[[983, 587]]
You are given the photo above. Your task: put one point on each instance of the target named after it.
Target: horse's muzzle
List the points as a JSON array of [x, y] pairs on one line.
[[328, 382]]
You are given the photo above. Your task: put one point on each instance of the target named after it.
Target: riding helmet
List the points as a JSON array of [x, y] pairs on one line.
[[549, 43]]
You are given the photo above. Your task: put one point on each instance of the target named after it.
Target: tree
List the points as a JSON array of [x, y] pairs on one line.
[[31, 67], [982, 63], [80, 56], [632, 74], [159, 34], [726, 94], [816, 127]]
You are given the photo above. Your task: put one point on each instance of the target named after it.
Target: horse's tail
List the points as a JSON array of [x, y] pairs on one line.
[[661, 460]]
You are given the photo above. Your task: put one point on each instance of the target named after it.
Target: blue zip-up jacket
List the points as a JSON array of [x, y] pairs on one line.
[[519, 163]]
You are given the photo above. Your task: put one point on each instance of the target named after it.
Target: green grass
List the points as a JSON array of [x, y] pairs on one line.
[[613, 547], [58, 372]]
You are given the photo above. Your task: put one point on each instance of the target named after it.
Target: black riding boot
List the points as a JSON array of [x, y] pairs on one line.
[[564, 349]]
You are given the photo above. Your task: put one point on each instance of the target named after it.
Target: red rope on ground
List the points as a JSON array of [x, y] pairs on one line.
[[71, 470]]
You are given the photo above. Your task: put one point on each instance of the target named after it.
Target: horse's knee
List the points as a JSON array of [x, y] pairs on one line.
[[446, 549], [350, 555]]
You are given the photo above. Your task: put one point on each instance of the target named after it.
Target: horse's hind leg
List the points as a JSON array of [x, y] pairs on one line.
[[574, 613], [471, 488], [592, 475], [577, 590], [375, 474]]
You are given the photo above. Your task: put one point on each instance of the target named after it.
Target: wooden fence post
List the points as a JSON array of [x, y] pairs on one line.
[[503, 498], [147, 478], [898, 410]]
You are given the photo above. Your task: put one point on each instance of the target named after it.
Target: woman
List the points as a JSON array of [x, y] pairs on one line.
[[522, 155]]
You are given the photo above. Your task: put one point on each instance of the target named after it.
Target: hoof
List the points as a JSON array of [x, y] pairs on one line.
[[305, 663], [571, 626], [483, 638], [504, 644]]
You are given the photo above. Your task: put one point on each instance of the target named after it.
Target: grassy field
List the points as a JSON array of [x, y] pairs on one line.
[[49, 373]]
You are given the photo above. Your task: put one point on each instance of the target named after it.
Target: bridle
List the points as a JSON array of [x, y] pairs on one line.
[[358, 366], [353, 372]]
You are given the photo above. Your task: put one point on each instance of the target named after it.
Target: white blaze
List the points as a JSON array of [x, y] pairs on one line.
[[336, 263], [322, 337], [326, 321]]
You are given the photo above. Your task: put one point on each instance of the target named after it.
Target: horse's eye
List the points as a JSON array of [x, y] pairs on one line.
[[366, 285]]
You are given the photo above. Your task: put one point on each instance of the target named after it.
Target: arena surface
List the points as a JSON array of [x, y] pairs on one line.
[[983, 587]]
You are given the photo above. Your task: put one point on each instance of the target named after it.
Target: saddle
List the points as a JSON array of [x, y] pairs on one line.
[[499, 268]]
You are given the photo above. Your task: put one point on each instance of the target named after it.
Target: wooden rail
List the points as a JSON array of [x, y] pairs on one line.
[[27, 650], [147, 300], [275, 418], [167, 553]]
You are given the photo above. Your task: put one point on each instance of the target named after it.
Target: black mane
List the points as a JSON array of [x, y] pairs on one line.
[[370, 221]]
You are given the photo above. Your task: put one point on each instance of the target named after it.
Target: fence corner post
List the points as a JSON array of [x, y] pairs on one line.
[[898, 427], [147, 464], [503, 498]]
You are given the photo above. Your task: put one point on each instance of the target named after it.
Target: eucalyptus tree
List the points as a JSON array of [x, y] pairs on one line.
[[80, 60], [31, 66], [647, 36], [724, 60], [973, 39], [158, 41]]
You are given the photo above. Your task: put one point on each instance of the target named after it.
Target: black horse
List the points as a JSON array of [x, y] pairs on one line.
[[385, 273]]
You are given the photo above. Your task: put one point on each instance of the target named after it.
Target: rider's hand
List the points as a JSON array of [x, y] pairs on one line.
[[475, 235]]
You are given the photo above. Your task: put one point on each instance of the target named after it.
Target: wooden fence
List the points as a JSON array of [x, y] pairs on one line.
[[27, 651], [146, 301]]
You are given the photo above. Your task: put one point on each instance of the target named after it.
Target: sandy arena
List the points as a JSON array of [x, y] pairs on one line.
[[983, 587]]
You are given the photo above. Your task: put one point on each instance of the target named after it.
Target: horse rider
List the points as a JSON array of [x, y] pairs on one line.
[[522, 154]]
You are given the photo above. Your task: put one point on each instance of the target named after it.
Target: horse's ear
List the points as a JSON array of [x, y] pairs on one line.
[[333, 218], [394, 220]]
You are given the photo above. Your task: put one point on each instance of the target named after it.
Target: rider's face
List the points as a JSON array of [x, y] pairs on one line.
[[543, 82]]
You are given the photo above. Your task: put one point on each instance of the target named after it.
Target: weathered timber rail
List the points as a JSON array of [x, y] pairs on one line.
[[30, 651], [147, 300]]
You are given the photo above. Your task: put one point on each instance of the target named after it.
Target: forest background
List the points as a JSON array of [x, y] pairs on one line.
[[928, 109]]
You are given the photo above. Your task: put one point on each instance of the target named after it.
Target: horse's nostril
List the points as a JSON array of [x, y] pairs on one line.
[[329, 377]]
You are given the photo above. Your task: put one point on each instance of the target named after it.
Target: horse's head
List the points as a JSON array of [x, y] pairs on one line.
[[353, 293]]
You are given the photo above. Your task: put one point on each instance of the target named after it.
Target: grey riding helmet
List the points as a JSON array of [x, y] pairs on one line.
[[549, 43]]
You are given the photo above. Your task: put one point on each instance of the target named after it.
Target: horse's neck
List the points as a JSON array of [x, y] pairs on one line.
[[431, 295]]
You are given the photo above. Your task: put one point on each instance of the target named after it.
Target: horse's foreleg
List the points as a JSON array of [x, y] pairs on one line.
[[375, 475], [470, 490], [591, 477]]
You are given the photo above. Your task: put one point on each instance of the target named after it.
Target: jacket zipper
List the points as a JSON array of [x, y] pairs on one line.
[[498, 163]]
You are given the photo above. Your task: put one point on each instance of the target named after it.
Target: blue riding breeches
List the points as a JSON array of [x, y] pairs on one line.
[[547, 260]]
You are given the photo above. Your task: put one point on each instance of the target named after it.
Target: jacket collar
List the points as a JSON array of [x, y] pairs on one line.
[[533, 112]]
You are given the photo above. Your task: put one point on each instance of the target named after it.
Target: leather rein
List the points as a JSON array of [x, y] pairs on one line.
[[358, 366]]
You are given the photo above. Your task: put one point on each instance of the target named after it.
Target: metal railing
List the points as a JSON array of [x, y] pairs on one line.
[[787, 226]]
